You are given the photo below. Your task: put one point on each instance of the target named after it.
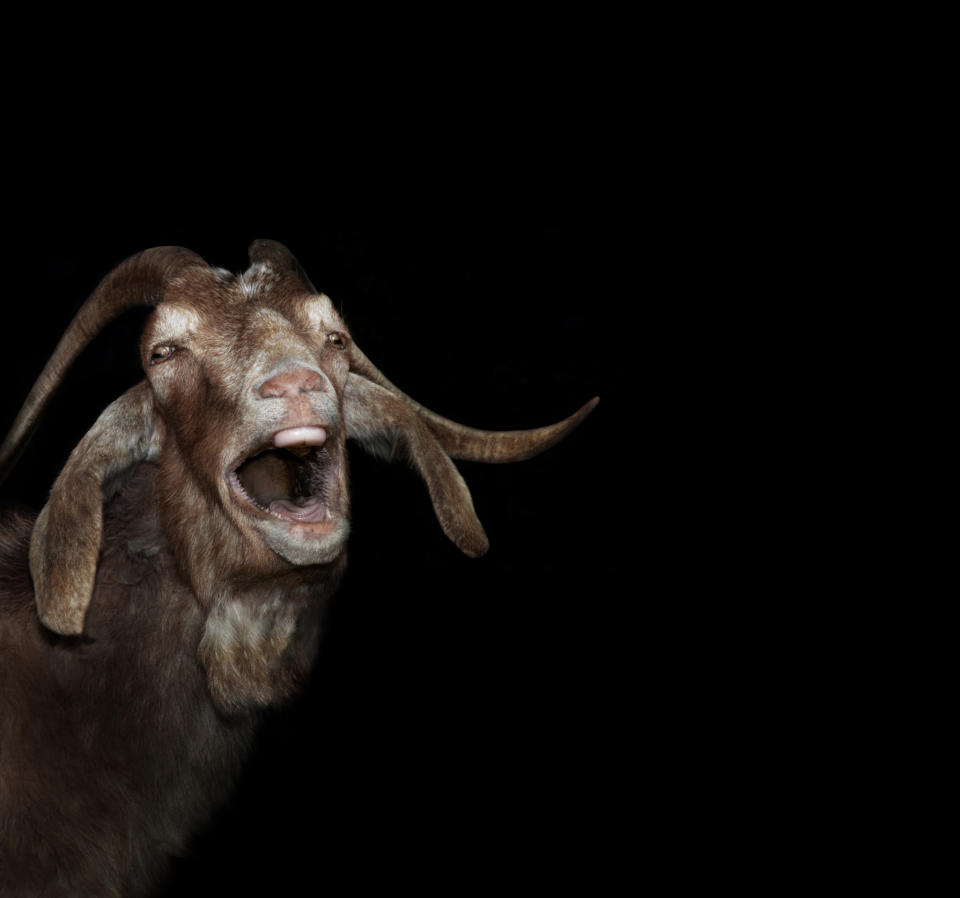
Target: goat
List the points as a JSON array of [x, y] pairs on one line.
[[173, 586]]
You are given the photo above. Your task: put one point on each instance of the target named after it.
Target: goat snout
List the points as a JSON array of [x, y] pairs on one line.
[[292, 383]]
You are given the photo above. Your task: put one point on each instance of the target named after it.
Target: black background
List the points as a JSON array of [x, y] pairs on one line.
[[466, 717]]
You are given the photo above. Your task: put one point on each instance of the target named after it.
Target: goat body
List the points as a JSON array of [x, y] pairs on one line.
[[112, 750], [174, 585]]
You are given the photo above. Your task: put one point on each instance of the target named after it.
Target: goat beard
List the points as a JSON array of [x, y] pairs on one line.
[[261, 632], [263, 612], [260, 641]]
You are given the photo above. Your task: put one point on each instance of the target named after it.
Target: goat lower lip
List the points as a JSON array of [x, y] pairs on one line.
[[310, 510], [299, 509]]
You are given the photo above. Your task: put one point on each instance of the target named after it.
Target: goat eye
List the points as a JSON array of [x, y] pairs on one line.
[[337, 340], [161, 354]]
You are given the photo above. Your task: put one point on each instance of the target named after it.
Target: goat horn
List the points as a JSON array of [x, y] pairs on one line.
[[139, 281], [468, 443], [277, 257]]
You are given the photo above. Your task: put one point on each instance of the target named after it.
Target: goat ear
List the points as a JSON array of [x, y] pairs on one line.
[[383, 423], [65, 544]]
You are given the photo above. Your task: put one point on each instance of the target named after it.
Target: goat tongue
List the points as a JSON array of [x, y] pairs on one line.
[[300, 436], [306, 509]]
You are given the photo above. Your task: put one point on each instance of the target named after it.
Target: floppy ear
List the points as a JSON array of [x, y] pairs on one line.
[[65, 544], [383, 422]]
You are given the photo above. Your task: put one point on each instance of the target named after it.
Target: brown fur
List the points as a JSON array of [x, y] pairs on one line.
[[153, 610], [102, 775]]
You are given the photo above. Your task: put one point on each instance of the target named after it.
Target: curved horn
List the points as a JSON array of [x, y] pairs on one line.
[[468, 443], [279, 259], [139, 281]]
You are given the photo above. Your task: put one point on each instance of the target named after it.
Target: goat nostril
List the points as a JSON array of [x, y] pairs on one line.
[[288, 384]]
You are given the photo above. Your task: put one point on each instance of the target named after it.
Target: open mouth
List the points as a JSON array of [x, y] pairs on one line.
[[292, 480]]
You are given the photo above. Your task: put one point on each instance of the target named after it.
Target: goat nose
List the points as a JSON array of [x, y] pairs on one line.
[[289, 384]]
